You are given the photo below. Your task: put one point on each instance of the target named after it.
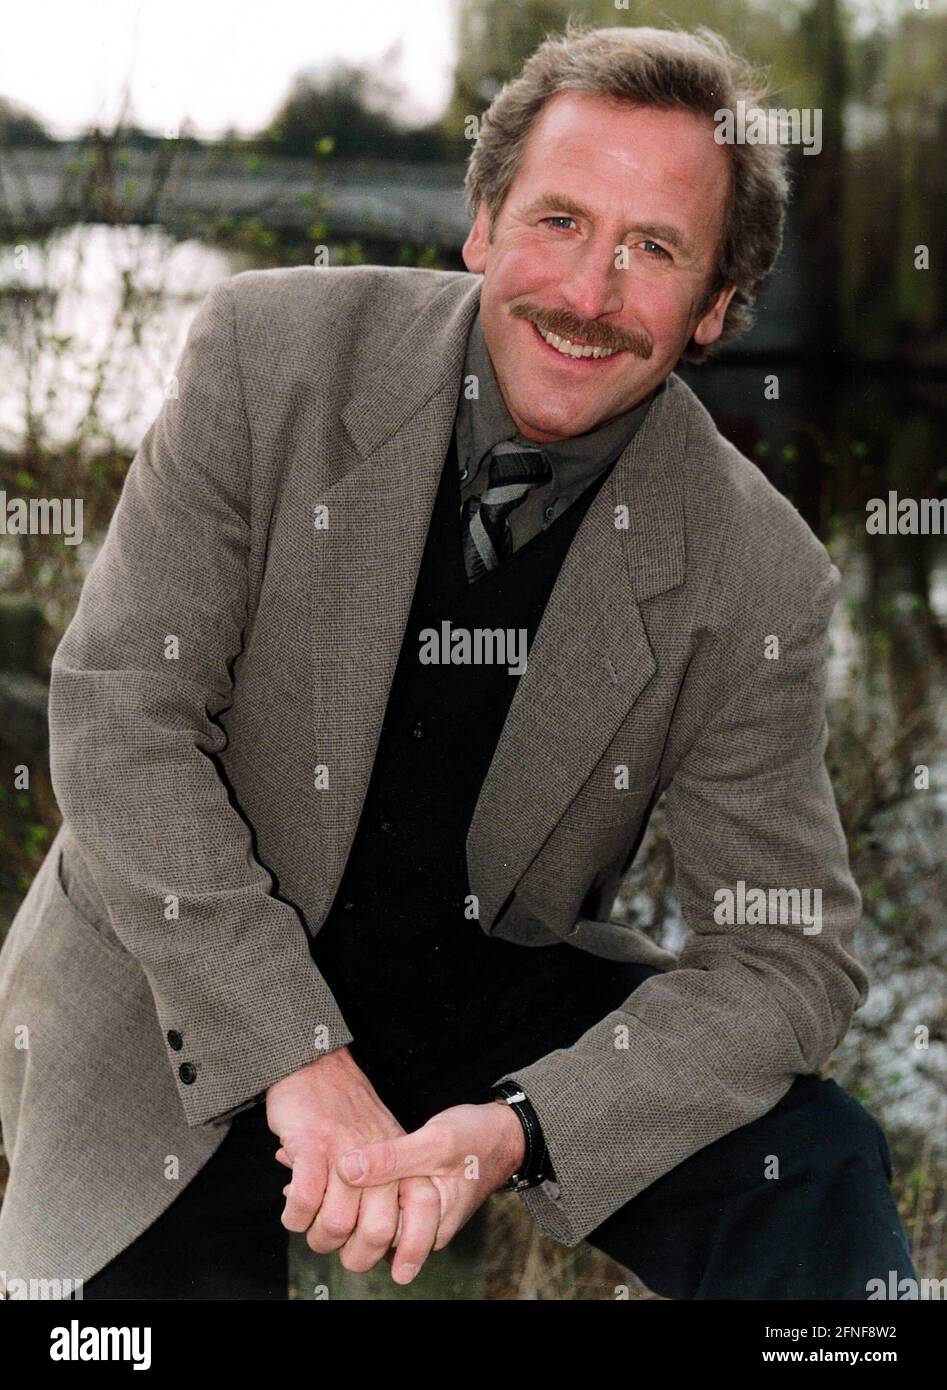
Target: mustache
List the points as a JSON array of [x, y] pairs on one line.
[[603, 335]]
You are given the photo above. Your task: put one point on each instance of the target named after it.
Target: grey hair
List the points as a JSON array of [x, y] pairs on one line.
[[666, 68]]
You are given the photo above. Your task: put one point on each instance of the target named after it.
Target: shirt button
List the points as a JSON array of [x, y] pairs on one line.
[[464, 474], [187, 1072], [549, 511], [175, 1040]]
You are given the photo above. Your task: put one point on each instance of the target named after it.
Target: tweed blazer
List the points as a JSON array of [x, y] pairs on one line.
[[215, 706]]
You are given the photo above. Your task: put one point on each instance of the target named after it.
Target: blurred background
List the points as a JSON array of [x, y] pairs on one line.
[[149, 149]]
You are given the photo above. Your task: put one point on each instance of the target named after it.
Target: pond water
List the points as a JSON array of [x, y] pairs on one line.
[[97, 316]]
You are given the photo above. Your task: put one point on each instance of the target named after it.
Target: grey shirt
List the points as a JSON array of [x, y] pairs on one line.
[[577, 462]]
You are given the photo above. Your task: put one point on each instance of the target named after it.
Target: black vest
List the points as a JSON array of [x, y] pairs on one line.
[[433, 1003]]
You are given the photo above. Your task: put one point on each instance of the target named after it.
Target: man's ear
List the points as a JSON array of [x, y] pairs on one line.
[[475, 247], [710, 326]]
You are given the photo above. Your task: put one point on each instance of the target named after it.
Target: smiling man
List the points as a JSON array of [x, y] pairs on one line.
[[329, 919], [600, 264]]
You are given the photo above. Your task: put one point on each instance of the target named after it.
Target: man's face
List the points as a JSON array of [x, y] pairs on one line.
[[597, 176]]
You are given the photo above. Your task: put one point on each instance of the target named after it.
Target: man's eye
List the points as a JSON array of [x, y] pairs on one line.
[[657, 249], [562, 217]]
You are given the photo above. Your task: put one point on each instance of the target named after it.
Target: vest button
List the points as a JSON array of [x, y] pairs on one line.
[[187, 1072], [418, 731], [347, 907], [175, 1040], [385, 827], [464, 474]]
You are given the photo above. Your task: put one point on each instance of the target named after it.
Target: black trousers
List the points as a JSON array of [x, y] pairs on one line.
[[714, 1227]]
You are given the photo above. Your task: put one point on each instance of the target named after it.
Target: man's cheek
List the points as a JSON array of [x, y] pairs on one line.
[[661, 313], [533, 268]]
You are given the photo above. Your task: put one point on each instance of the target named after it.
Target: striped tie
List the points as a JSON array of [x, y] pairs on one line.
[[515, 469]]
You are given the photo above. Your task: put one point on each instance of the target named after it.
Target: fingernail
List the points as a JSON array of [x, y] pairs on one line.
[[354, 1165], [408, 1272]]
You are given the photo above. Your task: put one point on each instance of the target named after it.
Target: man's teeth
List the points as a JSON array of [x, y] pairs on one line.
[[570, 349]]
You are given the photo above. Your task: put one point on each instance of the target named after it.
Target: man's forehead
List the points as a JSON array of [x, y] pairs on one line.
[[629, 133], [573, 106], [682, 166]]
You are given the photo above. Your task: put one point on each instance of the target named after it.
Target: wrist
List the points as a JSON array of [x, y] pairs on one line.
[[338, 1057], [337, 1063], [512, 1152], [535, 1166]]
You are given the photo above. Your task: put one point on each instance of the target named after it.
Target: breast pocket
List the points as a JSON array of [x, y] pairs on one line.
[[601, 806], [597, 831]]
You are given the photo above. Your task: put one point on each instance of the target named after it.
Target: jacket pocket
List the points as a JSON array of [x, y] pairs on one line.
[[102, 933], [604, 809]]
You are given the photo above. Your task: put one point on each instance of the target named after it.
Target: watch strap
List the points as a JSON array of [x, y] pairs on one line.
[[536, 1167]]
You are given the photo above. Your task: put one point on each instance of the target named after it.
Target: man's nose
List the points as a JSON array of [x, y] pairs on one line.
[[591, 285]]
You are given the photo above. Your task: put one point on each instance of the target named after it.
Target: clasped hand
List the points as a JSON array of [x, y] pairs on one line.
[[414, 1191]]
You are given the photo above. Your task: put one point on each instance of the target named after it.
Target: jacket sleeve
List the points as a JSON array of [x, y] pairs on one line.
[[138, 680], [716, 1041]]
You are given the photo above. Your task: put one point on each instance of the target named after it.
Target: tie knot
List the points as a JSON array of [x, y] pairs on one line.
[[512, 463]]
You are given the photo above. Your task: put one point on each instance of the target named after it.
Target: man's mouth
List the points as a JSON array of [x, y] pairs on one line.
[[567, 347]]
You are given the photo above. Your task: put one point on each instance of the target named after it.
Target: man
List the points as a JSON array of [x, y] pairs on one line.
[[331, 843]]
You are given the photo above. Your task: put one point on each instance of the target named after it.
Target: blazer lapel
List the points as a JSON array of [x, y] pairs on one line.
[[590, 658], [365, 561]]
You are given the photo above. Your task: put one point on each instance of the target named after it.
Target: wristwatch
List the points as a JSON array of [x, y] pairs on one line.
[[537, 1167]]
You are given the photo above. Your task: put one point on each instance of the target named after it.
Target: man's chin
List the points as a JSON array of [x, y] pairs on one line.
[[558, 416], [558, 425], [570, 413]]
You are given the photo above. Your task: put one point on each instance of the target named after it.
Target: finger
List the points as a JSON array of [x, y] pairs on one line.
[[419, 1154], [392, 1252], [421, 1214], [282, 1156], [304, 1192], [375, 1230], [336, 1217]]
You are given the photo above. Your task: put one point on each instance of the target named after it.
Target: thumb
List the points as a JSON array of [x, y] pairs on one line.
[[419, 1154]]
